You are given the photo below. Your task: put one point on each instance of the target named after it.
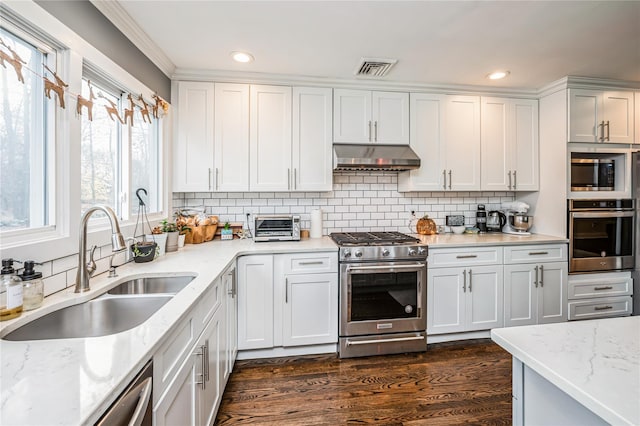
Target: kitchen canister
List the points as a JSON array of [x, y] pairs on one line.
[[316, 224]]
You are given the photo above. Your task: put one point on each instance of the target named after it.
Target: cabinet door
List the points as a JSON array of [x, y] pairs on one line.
[[520, 295], [585, 110], [496, 148], [426, 139], [445, 300], [484, 304], [352, 116], [310, 313], [270, 138], [213, 340], [312, 143], [231, 137], [552, 292], [390, 116], [618, 117], [462, 141], [180, 405], [524, 144], [193, 150], [255, 302]]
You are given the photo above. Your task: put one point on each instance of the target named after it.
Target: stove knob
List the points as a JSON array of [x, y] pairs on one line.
[[412, 252], [346, 253], [385, 252], [422, 251], [358, 253]]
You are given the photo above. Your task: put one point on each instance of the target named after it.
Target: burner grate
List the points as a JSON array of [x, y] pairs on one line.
[[372, 238]]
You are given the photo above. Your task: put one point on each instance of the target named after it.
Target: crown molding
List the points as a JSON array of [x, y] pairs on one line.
[[114, 12], [370, 84]]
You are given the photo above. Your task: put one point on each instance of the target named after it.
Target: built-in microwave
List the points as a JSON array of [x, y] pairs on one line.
[[593, 174]]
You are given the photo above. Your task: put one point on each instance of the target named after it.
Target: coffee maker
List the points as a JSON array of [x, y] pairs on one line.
[[495, 221], [481, 219]]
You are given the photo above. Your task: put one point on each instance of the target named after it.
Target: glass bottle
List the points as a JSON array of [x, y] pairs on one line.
[[32, 286], [10, 292]]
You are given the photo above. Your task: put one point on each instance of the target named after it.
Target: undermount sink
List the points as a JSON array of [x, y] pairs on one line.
[[98, 317], [152, 285]]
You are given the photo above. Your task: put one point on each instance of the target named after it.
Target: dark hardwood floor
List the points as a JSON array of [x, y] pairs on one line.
[[452, 383]]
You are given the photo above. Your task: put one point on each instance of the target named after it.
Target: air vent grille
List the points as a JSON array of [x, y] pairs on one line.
[[374, 67]]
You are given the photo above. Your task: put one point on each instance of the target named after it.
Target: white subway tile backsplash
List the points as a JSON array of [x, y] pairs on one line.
[[54, 283]]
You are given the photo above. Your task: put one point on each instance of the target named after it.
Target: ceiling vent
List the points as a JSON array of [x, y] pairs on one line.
[[374, 67]]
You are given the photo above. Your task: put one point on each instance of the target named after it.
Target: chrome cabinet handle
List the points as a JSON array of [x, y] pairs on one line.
[[601, 128], [541, 276], [210, 173], [444, 180], [466, 256], [286, 290], [603, 308], [217, 182], [200, 353], [538, 253], [608, 134], [315, 262], [464, 282], [288, 178], [369, 130], [295, 178], [205, 359], [606, 287], [535, 281], [449, 178], [509, 179], [375, 130], [515, 181], [470, 279]]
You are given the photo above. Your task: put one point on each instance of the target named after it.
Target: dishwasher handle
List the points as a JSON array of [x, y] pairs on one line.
[[143, 402], [132, 408]]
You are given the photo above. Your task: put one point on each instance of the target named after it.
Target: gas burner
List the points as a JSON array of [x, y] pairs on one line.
[[372, 238]]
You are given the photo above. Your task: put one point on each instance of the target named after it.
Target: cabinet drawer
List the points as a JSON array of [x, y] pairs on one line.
[[209, 303], [600, 308], [305, 263], [600, 285], [441, 258], [535, 253]]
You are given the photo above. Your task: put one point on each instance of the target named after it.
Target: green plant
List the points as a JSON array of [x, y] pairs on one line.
[[227, 226], [168, 226]]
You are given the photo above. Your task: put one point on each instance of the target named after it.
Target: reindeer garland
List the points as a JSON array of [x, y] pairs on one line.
[[59, 87]]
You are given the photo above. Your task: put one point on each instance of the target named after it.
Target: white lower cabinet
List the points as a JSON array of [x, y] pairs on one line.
[[600, 295], [189, 374], [464, 299], [229, 285], [535, 293], [301, 307]]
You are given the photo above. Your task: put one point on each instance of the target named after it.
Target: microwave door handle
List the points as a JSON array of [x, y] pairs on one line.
[[597, 215]]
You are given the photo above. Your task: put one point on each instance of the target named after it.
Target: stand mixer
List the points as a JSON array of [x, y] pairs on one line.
[[518, 222]]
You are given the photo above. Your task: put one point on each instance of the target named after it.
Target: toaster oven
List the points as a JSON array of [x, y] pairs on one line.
[[277, 228]]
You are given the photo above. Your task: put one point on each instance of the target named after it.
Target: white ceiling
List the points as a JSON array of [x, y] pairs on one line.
[[435, 42]]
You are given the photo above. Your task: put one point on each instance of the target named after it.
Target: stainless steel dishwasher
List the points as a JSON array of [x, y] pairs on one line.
[[133, 406]]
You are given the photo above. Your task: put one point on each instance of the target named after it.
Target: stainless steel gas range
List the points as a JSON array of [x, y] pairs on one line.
[[383, 293]]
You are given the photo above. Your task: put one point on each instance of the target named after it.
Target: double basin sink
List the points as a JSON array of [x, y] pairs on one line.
[[123, 307]]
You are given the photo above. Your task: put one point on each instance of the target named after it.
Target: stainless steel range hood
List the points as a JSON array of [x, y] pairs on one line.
[[374, 157]]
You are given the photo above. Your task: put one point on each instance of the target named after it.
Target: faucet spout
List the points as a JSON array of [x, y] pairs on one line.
[[117, 243]]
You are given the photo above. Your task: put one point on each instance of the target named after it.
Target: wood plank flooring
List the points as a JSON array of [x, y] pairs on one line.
[[451, 383]]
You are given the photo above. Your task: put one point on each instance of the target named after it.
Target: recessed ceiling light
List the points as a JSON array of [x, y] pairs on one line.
[[497, 75], [243, 57]]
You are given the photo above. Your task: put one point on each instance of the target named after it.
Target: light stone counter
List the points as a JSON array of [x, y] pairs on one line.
[[596, 362], [488, 239], [73, 381]]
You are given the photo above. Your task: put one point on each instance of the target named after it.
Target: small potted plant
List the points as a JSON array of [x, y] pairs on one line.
[[226, 233], [160, 238], [182, 227], [171, 230]]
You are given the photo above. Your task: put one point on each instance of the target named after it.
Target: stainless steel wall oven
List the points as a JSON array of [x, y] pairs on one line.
[[382, 296], [601, 235]]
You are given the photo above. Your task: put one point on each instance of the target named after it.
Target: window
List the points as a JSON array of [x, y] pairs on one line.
[[26, 126], [118, 158]]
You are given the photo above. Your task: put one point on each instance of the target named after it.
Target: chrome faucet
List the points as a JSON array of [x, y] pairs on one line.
[[86, 269]]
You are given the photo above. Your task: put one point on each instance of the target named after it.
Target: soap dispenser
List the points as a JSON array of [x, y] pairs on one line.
[[32, 286], [10, 291]]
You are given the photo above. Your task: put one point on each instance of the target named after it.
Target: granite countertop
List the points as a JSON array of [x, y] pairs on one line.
[[596, 362], [488, 239], [73, 381]]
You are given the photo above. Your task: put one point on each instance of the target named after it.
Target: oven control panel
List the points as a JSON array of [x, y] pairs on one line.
[[366, 253]]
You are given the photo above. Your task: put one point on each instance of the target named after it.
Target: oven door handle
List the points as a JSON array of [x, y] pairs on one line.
[[414, 266], [589, 215], [376, 341]]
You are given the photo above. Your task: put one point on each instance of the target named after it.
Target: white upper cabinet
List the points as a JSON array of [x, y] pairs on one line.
[[270, 138], [601, 116], [362, 116], [231, 137], [445, 134], [509, 144], [312, 144], [193, 151]]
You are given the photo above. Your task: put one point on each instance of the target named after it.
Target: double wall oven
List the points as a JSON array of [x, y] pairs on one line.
[[601, 235], [383, 293]]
